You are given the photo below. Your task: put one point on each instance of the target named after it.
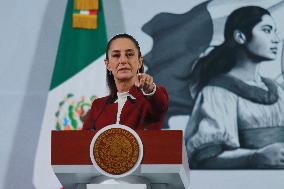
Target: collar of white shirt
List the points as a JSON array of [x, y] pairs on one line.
[[123, 95]]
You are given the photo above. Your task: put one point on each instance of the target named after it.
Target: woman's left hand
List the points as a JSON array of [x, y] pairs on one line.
[[145, 82]]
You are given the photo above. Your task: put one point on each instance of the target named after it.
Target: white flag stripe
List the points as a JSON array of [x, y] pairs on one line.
[[84, 12], [90, 81]]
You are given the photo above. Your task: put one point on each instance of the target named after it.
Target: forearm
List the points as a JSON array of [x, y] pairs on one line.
[[239, 158]]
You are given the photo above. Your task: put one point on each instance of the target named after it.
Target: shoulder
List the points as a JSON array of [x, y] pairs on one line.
[[212, 97], [100, 101], [217, 92]]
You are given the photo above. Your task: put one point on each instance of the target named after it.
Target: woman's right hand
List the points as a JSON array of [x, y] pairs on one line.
[[270, 156]]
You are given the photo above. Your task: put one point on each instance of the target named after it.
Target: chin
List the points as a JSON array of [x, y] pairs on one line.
[[124, 77], [270, 58], [260, 58]]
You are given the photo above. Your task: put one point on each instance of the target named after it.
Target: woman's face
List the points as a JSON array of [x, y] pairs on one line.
[[123, 60], [264, 42]]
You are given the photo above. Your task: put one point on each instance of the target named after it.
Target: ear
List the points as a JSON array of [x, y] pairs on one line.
[[107, 64], [239, 37]]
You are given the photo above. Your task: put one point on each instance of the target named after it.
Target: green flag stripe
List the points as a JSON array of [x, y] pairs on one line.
[[78, 47]]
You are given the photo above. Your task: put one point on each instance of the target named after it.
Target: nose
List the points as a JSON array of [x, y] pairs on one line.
[[122, 59], [276, 38]]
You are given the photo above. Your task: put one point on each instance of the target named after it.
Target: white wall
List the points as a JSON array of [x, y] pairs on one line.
[[29, 37]]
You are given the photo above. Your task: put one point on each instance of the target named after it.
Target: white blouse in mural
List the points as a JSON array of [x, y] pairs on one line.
[[219, 116]]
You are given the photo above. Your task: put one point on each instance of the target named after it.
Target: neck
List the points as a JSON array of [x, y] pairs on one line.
[[123, 86], [245, 68]]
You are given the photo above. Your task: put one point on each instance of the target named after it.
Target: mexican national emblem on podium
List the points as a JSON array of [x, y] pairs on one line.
[[116, 151]]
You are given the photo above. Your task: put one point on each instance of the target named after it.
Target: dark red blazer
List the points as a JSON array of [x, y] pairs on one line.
[[143, 112]]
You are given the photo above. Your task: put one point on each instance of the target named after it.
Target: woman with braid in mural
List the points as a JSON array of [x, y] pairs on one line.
[[237, 120]]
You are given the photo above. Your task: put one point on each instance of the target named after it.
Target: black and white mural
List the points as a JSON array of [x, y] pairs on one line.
[[221, 62]]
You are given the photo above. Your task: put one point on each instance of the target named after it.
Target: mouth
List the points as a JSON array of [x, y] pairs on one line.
[[274, 50], [123, 69]]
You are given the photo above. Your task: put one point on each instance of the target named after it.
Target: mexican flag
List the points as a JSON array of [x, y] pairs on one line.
[[78, 78]]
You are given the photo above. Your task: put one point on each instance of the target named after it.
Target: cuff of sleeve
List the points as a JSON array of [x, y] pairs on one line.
[[201, 147], [152, 93]]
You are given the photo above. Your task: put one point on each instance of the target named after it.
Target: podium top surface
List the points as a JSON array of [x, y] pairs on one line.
[[160, 147]]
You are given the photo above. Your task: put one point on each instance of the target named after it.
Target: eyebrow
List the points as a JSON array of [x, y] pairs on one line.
[[118, 51], [267, 25], [115, 51], [129, 50]]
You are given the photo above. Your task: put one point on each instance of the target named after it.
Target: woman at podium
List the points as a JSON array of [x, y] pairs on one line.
[[134, 99]]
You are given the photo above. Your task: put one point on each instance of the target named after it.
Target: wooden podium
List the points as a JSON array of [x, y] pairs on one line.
[[164, 158]]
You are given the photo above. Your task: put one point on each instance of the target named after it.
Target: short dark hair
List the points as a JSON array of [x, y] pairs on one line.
[[109, 76]]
